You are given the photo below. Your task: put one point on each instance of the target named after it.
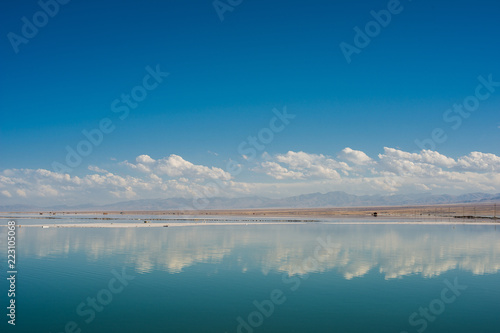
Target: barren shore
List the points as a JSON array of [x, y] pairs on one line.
[[170, 225], [465, 210], [466, 214]]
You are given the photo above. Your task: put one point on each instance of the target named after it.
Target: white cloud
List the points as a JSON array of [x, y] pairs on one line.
[[310, 165], [293, 173], [167, 177], [97, 169], [394, 171], [176, 166], [276, 171], [425, 156], [480, 161], [21, 193], [144, 159], [354, 156]]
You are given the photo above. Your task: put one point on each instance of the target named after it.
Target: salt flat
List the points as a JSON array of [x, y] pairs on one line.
[[173, 225]]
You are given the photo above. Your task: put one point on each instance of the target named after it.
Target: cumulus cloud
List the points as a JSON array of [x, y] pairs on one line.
[[21, 193], [97, 169], [432, 163], [480, 161], [277, 171], [308, 165], [395, 170], [354, 156], [176, 166], [425, 156], [171, 176], [407, 164], [291, 173]]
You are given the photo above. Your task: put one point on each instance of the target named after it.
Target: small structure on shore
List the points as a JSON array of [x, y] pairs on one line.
[[374, 214]]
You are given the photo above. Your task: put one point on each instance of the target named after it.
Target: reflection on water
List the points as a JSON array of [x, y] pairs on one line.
[[392, 250]]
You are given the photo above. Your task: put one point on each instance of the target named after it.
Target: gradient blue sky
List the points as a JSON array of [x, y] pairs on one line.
[[226, 77]]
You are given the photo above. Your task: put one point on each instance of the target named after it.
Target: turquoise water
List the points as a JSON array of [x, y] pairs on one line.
[[257, 278]]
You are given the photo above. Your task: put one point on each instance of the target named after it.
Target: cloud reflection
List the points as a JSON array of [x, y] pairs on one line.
[[393, 251]]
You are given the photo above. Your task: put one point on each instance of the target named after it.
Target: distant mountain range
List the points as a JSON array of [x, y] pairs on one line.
[[313, 200]]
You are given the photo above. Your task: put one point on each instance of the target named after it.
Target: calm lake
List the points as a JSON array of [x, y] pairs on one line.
[[311, 277]]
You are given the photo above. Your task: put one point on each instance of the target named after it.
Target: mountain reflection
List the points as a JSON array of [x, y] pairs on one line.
[[393, 250]]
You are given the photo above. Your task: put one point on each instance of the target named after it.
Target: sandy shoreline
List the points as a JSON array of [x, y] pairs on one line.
[[173, 225], [466, 210]]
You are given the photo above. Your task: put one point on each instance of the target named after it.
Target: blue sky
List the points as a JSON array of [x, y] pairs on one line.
[[225, 78]]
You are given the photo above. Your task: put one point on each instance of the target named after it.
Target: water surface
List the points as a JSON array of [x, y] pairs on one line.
[[321, 277]]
